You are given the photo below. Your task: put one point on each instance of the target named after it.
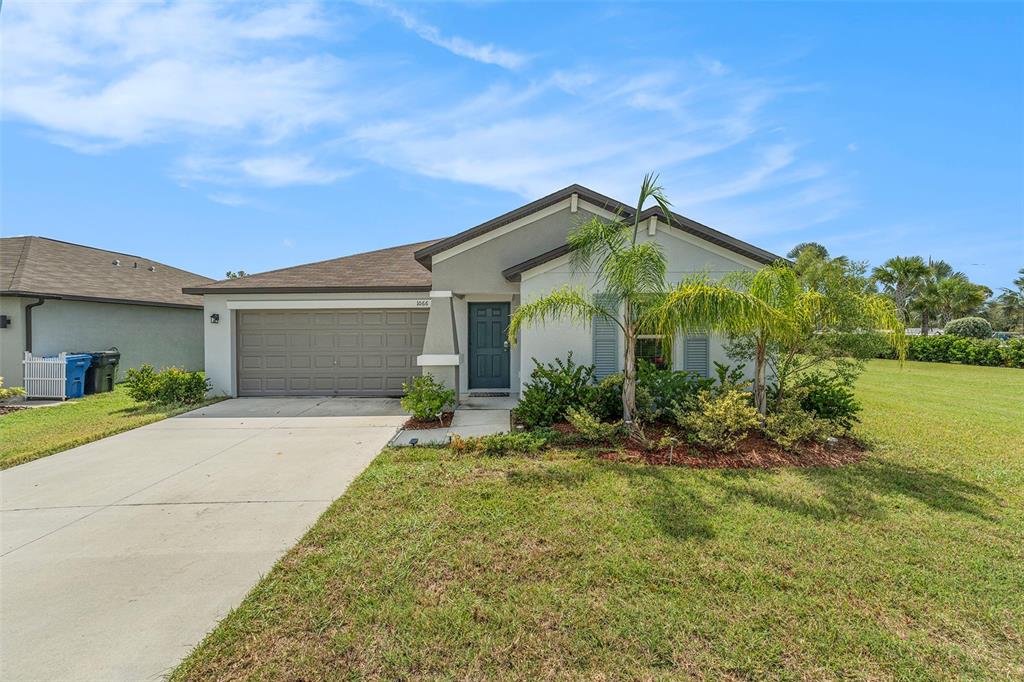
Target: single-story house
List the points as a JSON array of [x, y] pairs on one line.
[[56, 296], [364, 324]]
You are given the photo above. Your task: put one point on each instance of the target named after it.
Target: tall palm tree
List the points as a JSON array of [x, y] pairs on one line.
[[799, 313], [959, 297], [928, 301], [631, 272], [901, 278]]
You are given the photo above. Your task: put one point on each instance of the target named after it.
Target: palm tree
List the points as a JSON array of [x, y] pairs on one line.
[[1011, 303], [901, 278], [959, 297], [928, 301], [631, 272], [800, 313]]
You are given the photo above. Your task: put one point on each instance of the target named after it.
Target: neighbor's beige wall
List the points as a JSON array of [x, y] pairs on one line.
[[157, 335]]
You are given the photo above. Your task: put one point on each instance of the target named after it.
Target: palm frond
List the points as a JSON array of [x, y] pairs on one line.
[[698, 304], [565, 304]]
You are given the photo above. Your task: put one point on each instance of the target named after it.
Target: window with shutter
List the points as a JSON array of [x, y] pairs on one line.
[[696, 354], [606, 340]]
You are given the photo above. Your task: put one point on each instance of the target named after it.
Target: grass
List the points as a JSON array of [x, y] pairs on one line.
[[26, 435], [905, 566]]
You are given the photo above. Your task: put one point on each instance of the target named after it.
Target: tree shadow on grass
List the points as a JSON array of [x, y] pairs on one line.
[[864, 490], [672, 506]]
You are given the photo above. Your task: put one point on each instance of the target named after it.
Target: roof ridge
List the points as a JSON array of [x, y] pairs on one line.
[[21, 259], [325, 260], [31, 239]]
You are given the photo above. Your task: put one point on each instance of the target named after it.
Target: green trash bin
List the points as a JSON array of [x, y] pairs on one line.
[[99, 378]]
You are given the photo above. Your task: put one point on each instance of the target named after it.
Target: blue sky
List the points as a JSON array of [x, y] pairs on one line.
[[256, 136]]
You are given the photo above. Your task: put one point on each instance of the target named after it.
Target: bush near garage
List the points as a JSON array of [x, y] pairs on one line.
[[171, 386]]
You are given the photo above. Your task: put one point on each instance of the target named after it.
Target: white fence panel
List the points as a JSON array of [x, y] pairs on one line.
[[45, 377]]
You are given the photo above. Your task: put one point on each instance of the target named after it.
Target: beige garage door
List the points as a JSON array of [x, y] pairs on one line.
[[328, 352]]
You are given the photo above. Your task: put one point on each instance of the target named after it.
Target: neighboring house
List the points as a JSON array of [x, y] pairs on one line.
[[56, 296], [364, 324]]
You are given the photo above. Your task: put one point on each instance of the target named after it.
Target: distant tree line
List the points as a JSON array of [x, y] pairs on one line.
[[927, 293]]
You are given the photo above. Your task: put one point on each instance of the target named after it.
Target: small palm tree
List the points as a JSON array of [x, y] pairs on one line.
[[799, 313], [632, 275]]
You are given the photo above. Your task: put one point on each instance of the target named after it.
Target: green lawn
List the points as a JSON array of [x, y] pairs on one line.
[[909, 565], [30, 434]]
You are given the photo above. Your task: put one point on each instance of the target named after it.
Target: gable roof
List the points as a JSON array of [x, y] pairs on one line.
[[676, 220], [425, 254], [392, 269], [40, 266]]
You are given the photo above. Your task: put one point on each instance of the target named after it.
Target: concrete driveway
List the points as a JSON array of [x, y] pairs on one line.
[[117, 557]]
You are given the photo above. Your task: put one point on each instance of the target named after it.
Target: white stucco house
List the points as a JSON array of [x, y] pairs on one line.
[[366, 323], [56, 296]]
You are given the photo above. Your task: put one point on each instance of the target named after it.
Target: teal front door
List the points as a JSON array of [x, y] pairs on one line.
[[488, 351]]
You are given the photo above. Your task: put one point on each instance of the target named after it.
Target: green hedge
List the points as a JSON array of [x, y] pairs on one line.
[[966, 351]]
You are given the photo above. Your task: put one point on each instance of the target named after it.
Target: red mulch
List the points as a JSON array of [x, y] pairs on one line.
[[7, 409], [443, 423], [754, 452]]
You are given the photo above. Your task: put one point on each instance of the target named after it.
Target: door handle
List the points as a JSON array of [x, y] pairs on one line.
[[505, 345]]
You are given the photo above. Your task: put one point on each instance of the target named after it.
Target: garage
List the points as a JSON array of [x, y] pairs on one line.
[[354, 352]]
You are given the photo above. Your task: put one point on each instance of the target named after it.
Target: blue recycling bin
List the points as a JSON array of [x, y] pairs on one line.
[[74, 383]]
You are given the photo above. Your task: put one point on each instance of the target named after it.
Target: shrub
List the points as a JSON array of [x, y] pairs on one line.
[[170, 386], [970, 351], [667, 388], [552, 390], [426, 397], [719, 420], [590, 428], [176, 386], [730, 379], [790, 424], [141, 383], [607, 402], [969, 327], [1012, 352], [828, 398], [10, 391], [499, 444]]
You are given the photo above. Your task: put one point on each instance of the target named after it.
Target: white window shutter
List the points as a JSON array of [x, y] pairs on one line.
[[697, 355], [606, 340]]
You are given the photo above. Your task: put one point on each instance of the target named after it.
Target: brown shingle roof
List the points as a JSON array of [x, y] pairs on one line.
[[392, 269], [39, 266]]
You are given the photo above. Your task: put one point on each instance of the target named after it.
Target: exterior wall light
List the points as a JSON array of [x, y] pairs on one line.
[[214, 318]]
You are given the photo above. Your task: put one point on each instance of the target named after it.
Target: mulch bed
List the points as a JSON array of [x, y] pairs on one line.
[[754, 452], [443, 423], [8, 409]]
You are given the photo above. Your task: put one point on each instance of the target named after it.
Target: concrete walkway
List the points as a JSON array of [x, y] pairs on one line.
[[473, 417], [117, 557]]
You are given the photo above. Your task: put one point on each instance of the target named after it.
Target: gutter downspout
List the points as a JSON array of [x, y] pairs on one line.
[[28, 322]]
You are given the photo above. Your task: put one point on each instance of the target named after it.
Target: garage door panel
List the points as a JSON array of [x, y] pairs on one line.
[[328, 352]]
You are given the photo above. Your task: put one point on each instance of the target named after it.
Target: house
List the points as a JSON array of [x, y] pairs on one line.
[[364, 324], [57, 296]]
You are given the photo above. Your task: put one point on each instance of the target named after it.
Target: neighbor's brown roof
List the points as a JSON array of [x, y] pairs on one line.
[[392, 269], [39, 266]]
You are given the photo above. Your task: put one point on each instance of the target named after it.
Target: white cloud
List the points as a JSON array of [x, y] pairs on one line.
[[265, 171], [485, 53]]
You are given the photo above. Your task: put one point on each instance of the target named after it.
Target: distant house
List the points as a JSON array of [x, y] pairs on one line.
[[56, 296]]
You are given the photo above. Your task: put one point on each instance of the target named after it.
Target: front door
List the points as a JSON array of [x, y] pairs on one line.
[[488, 350]]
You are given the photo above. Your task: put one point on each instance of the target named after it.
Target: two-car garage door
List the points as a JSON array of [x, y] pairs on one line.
[[364, 352]]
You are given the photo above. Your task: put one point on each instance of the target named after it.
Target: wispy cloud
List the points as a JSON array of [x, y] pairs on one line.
[[485, 53], [265, 171]]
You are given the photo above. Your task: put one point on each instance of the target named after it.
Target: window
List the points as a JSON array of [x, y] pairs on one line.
[[652, 348]]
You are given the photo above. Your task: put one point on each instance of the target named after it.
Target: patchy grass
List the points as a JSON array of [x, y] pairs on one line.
[[33, 433], [904, 566]]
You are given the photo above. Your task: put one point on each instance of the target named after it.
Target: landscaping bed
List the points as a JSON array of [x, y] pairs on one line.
[[10, 409]]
